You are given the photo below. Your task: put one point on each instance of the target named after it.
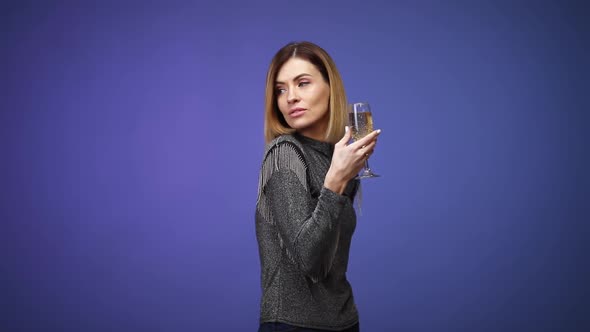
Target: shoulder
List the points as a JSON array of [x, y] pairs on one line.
[[285, 147], [283, 155], [282, 140]]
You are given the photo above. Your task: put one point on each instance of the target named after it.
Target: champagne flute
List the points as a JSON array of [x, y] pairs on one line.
[[360, 120]]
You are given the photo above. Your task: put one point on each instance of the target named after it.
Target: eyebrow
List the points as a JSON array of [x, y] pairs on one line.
[[295, 79]]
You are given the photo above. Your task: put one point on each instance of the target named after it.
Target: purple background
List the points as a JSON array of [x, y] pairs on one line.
[[131, 138]]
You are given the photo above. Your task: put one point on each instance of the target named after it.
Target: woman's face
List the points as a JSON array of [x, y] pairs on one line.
[[303, 97]]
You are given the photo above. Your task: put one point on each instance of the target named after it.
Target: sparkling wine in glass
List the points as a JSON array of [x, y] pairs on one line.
[[360, 120]]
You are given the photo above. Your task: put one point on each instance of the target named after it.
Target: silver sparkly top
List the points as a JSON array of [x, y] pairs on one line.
[[304, 232]]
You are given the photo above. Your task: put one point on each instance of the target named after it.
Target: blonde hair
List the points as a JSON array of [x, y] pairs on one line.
[[274, 122]]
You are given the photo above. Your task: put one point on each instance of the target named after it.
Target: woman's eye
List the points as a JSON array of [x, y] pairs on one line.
[[304, 83], [280, 91]]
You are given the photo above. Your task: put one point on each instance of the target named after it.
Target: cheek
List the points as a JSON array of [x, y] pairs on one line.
[[282, 104], [321, 95], [322, 98]]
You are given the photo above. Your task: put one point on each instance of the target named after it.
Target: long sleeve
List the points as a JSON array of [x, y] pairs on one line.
[[308, 228], [304, 232]]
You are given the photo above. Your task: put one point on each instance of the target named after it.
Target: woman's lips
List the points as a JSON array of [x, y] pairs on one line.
[[297, 112]]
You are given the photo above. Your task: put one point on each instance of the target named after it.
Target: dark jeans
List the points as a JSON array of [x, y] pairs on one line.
[[282, 327]]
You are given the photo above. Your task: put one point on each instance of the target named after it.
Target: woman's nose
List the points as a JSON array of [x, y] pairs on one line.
[[292, 96]]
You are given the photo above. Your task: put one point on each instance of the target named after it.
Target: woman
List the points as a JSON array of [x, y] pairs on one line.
[[304, 213]]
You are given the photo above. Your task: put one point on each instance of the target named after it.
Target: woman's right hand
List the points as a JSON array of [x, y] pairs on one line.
[[349, 159]]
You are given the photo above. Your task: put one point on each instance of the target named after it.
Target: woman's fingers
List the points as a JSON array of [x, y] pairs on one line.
[[346, 137], [367, 150], [367, 139], [347, 160]]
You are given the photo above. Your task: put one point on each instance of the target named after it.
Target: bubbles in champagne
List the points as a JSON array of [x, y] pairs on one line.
[[362, 125]]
